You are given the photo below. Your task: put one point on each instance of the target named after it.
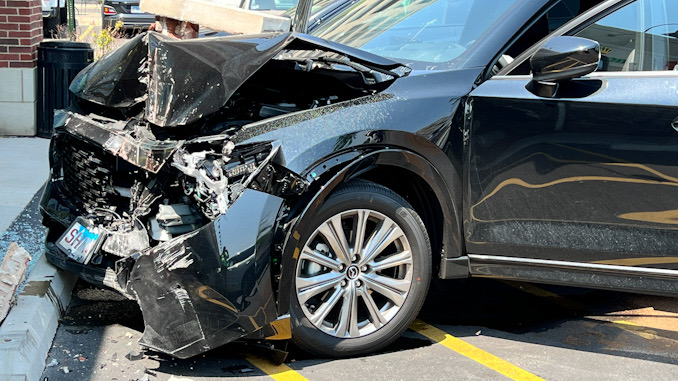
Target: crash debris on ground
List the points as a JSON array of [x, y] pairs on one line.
[[12, 273]]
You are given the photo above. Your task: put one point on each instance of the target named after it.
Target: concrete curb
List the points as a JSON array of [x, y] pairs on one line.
[[26, 334]]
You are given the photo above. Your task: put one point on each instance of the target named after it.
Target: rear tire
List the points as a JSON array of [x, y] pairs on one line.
[[362, 274]]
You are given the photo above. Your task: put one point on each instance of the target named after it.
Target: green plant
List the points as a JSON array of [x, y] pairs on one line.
[[104, 39]]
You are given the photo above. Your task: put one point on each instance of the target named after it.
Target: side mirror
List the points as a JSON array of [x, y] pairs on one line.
[[565, 57]]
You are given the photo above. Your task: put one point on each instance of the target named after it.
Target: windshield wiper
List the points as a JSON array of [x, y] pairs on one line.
[[375, 72]]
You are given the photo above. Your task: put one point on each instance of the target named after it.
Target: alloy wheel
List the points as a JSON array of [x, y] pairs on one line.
[[354, 273]]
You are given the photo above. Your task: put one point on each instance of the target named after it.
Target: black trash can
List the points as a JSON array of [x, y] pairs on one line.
[[58, 63]]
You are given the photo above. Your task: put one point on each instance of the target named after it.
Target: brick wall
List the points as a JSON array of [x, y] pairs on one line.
[[20, 33]]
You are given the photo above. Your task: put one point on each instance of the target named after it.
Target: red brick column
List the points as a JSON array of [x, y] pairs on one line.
[[20, 33]]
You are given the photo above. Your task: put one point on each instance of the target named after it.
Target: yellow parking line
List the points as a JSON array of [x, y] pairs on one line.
[[474, 353], [277, 372], [82, 36], [635, 329]]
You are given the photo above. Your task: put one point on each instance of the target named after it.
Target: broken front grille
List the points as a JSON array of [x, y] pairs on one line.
[[83, 173]]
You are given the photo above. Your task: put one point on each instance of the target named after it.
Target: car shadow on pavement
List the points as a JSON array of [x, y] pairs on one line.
[[593, 321], [231, 358], [613, 323], [110, 324]]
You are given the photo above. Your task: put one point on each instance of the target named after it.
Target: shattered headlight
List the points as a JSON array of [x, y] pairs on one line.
[[216, 172]]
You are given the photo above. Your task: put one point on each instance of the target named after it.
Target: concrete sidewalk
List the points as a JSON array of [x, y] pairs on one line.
[[27, 332], [23, 169]]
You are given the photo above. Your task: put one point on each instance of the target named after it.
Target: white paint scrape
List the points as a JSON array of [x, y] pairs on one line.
[[12, 273]]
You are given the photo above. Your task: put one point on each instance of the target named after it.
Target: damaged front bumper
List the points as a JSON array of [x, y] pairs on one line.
[[158, 197], [209, 287], [187, 227], [203, 289]]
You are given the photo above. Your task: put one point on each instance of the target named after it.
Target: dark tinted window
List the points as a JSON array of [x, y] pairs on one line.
[[565, 10], [557, 16]]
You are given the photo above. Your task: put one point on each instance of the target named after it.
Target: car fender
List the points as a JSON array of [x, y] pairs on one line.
[[212, 286], [359, 162]]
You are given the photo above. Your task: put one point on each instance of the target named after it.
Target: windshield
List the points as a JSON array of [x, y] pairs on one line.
[[423, 34]]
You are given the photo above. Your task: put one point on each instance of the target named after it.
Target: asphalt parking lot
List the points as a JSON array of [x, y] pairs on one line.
[[477, 329]]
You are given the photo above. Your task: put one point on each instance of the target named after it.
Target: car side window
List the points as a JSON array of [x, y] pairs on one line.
[[641, 36], [562, 12]]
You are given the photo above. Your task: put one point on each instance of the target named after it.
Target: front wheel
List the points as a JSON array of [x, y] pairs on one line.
[[362, 274]]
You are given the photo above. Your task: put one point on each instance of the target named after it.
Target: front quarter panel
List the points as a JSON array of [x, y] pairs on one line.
[[421, 104], [212, 286], [415, 125]]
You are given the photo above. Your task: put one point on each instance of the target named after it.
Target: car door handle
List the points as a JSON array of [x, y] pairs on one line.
[[674, 124]]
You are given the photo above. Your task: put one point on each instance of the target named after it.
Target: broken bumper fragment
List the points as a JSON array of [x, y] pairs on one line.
[[203, 289], [209, 287], [184, 227]]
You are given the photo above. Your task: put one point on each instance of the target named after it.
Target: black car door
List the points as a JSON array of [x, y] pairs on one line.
[[591, 174]]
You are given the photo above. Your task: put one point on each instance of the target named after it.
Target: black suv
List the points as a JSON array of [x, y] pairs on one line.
[[236, 185]]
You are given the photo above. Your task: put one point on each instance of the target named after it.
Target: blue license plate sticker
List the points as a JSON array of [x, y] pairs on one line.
[[80, 241]]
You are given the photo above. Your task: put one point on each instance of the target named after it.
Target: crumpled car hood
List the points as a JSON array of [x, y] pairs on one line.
[[181, 81]]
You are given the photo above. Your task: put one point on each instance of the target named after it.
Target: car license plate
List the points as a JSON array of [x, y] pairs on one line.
[[136, 9], [80, 241]]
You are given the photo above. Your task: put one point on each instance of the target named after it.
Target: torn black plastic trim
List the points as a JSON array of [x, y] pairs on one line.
[[117, 80], [308, 42], [212, 286], [212, 169], [130, 140]]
